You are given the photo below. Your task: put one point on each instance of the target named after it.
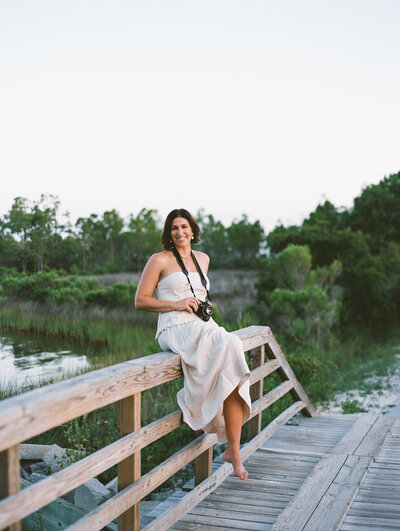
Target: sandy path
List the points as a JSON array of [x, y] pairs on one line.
[[379, 394]]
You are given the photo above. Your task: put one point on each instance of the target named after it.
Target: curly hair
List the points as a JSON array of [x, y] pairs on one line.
[[178, 213]]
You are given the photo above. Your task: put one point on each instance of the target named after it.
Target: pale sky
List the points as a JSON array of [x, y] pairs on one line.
[[259, 107]]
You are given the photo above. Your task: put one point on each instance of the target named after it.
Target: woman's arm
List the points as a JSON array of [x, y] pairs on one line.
[[144, 299]]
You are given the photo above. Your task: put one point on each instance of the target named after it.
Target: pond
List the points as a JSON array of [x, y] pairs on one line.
[[26, 360]]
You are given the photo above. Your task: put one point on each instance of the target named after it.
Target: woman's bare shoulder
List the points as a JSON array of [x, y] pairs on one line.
[[200, 254], [203, 259], [160, 258]]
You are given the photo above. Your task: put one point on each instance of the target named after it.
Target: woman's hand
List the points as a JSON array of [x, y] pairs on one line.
[[189, 304]]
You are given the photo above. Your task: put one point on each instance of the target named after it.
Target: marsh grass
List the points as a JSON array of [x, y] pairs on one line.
[[119, 331]]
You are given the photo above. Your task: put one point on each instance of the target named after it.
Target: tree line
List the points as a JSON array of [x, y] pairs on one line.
[[337, 271], [32, 237]]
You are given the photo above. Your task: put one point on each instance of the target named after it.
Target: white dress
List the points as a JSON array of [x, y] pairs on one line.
[[213, 360]]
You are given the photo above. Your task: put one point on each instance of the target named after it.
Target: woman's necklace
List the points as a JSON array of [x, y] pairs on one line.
[[187, 259]]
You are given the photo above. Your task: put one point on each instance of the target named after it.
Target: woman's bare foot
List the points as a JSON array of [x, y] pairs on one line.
[[236, 461]]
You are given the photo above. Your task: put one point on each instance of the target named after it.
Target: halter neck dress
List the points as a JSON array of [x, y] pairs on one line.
[[213, 360]]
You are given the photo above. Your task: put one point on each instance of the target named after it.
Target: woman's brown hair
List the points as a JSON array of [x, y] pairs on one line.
[[178, 213]]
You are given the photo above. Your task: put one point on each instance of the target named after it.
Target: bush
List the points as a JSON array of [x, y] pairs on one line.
[[49, 287]]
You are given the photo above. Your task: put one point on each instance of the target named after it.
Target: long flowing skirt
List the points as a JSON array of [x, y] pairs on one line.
[[213, 364]]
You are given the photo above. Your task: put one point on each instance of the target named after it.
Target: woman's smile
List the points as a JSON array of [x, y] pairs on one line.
[[181, 231]]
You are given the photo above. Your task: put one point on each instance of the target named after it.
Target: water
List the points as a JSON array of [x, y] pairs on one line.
[[29, 360]]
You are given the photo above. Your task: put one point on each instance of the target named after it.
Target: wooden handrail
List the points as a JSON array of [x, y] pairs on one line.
[[37, 411]]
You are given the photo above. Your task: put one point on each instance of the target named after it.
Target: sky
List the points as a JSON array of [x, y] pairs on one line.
[[266, 108]]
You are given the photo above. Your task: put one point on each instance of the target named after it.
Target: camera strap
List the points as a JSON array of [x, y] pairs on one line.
[[186, 272]]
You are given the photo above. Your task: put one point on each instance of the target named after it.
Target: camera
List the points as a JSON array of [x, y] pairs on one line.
[[204, 310]]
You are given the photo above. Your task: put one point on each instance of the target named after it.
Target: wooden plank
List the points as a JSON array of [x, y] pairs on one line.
[[257, 357], [271, 397], [299, 510], [335, 503], [285, 372], [225, 523], [387, 510], [208, 486], [352, 439], [40, 494], [129, 470], [203, 466], [118, 504], [232, 512], [197, 522], [374, 523], [376, 436], [9, 480], [261, 372], [253, 336]]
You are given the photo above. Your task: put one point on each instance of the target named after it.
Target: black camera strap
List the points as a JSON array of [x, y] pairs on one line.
[[186, 272]]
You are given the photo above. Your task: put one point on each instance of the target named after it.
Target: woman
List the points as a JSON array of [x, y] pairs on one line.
[[215, 396]]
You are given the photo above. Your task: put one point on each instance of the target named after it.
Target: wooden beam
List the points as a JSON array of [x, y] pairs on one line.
[[129, 470], [353, 437], [271, 397], [263, 371], [257, 356], [286, 373], [203, 466], [9, 480], [335, 503]]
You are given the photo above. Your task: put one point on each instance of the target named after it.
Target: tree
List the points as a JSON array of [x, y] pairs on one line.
[[43, 225], [245, 242], [300, 302], [19, 221], [214, 240], [143, 238], [113, 224], [377, 212]]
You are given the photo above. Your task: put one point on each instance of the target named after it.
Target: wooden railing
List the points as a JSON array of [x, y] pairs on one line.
[[37, 411]]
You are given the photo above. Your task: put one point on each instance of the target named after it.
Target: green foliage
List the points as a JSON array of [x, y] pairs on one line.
[[299, 302], [376, 212], [118, 294], [54, 289], [352, 406]]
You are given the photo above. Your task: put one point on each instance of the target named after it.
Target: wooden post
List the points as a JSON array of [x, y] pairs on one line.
[[129, 470], [203, 466], [257, 358], [9, 477]]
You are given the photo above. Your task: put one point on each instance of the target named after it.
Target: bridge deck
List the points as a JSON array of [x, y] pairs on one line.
[[306, 477]]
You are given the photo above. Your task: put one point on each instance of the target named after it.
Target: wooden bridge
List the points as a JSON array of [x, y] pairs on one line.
[[313, 472]]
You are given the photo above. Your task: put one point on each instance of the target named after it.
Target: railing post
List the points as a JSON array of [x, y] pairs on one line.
[[129, 470], [203, 466], [9, 477], [257, 358]]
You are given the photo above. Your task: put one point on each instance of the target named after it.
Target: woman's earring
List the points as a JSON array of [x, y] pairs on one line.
[[192, 237]]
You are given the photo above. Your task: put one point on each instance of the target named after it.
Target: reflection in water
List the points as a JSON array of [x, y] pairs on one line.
[[23, 360]]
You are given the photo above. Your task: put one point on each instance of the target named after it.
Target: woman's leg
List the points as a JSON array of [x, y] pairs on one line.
[[233, 414]]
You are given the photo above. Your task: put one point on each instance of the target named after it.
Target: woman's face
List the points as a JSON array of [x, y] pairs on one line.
[[181, 232]]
